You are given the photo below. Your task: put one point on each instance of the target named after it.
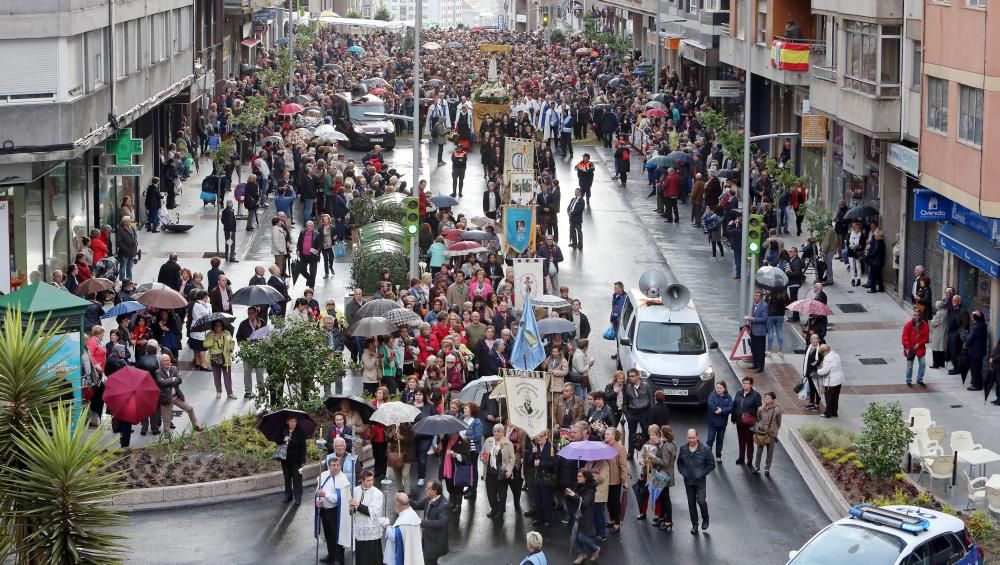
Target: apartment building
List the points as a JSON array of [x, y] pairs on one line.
[[958, 202]]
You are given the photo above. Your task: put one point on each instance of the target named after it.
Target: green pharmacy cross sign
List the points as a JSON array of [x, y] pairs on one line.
[[123, 147]]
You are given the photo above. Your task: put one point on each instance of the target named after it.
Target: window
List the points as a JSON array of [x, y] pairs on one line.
[[175, 28], [915, 67], [120, 68], [74, 65], [134, 47], [761, 21], [937, 105], [741, 24], [95, 59], [975, 3], [668, 338], [158, 39], [970, 115], [184, 25], [871, 64]]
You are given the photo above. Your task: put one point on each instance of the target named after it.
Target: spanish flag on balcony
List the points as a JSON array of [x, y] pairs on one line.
[[789, 56]]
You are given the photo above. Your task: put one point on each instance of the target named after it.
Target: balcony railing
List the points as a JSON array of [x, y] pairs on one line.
[[818, 65]]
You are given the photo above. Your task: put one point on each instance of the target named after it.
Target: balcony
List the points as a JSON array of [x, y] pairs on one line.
[[732, 51], [853, 102], [819, 67]]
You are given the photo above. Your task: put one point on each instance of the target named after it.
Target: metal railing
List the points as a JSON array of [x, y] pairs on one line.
[[724, 30], [818, 65]]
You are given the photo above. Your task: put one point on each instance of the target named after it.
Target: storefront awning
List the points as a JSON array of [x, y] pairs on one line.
[[250, 42], [970, 248]]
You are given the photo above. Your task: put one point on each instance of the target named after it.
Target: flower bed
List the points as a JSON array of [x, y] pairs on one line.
[[230, 450], [839, 458]]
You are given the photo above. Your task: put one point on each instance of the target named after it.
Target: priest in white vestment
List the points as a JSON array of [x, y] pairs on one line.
[[367, 504], [333, 499], [403, 545]]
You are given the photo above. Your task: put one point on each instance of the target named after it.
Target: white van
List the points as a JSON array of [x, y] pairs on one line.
[[663, 338]]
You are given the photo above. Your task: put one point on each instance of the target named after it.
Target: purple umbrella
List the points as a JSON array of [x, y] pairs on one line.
[[587, 451]]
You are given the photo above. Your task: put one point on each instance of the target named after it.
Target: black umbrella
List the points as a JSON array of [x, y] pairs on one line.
[[205, 323], [988, 381], [272, 425], [439, 425], [371, 327], [256, 295], [728, 174], [859, 212], [359, 405], [377, 307], [639, 487]]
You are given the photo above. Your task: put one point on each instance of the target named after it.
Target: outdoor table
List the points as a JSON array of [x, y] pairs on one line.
[[975, 458]]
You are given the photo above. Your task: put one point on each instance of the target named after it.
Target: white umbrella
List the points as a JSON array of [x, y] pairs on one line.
[[393, 413], [549, 301], [483, 221], [327, 131], [475, 389], [771, 278]]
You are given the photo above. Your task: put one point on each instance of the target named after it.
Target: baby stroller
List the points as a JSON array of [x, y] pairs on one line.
[[106, 268], [168, 223]]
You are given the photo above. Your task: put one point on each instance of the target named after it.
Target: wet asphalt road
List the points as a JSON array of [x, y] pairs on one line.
[[754, 519]]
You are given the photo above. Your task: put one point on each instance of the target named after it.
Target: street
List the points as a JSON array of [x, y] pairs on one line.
[[769, 517]]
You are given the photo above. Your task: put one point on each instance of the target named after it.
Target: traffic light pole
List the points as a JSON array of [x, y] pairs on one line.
[[746, 278]]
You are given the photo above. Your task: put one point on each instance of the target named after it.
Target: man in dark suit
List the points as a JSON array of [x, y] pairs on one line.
[[229, 230], [976, 347], [575, 211], [170, 273], [434, 526]]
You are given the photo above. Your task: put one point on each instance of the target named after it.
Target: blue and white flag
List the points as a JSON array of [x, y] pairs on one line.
[[519, 227], [528, 351]]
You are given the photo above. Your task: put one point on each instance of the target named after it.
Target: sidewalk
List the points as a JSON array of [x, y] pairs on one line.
[[194, 249], [865, 330]]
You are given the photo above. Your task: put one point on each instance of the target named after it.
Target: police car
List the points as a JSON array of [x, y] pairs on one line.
[[891, 535]]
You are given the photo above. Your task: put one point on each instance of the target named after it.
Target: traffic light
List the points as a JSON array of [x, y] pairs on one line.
[[755, 233], [411, 217], [545, 20]]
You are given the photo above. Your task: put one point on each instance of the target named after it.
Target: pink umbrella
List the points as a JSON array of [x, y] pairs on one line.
[[289, 109], [810, 307], [464, 248], [655, 113]]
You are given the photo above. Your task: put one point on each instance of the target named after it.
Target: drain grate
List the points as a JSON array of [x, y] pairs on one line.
[[853, 308], [872, 361]]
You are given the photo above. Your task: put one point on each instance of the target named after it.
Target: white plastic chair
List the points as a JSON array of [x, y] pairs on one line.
[[976, 490], [993, 500], [939, 467], [936, 433], [962, 441], [919, 418], [925, 450]]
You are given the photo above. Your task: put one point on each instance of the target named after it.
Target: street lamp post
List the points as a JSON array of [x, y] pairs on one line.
[[744, 279], [656, 34], [417, 23]]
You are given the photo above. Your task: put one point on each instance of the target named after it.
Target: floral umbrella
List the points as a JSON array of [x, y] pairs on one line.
[[301, 135]]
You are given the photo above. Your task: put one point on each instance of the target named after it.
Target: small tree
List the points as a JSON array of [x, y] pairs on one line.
[[60, 493], [383, 13], [299, 366], [883, 440], [558, 37], [355, 14]]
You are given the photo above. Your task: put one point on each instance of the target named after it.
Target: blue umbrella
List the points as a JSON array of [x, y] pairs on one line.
[[356, 49], [640, 73], [124, 309], [660, 161], [681, 157], [455, 45], [443, 201]]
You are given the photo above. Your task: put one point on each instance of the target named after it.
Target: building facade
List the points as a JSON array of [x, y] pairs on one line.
[[958, 200]]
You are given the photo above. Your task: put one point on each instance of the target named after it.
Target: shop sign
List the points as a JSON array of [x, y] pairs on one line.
[[264, 16], [929, 206], [854, 152], [904, 159], [694, 53], [123, 170], [813, 130], [724, 88], [965, 248]]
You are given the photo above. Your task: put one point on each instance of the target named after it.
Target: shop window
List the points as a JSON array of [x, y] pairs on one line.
[[974, 287]]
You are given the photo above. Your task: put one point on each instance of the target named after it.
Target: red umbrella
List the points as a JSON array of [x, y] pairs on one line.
[[452, 233], [810, 307], [289, 109], [464, 246], [131, 395], [655, 113], [377, 91]]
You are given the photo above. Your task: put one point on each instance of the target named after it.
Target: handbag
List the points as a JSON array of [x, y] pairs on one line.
[[798, 388], [339, 249], [761, 439], [281, 452], [207, 196], [463, 475], [218, 360], [549, 479], [610, 334], [748, 420]]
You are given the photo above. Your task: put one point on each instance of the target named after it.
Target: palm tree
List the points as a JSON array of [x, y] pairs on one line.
[[54, 484], [61, 493]]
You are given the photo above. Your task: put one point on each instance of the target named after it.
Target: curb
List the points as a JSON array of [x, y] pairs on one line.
[[833, 503], [202, 494]]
